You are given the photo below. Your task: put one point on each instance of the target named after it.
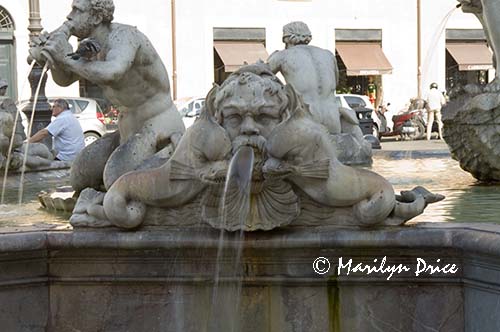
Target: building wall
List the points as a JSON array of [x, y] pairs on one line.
[[196, 19]]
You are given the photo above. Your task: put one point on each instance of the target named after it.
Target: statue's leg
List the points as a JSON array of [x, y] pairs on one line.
[[430, 121], [88, 167]]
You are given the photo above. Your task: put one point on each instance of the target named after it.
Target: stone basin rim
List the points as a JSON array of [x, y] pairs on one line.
[[474, 237]]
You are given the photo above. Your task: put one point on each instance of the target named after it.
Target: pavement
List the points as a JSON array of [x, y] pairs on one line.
[[397, 149]]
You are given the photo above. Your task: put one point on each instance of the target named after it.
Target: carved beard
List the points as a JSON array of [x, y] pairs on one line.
[[257, 142], [83, 30]]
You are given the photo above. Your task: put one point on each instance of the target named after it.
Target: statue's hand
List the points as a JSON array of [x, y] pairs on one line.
[[57, 47], [36, 44]]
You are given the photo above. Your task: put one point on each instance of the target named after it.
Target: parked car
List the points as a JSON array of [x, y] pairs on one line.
[[87, 111], [189, 108], [364, 110]]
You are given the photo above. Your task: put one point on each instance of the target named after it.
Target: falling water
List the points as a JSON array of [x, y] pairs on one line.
[[35, 100], [226, 301], [435, 39], [11, 145]]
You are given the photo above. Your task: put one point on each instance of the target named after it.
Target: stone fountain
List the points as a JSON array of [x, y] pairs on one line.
[[251, 202]]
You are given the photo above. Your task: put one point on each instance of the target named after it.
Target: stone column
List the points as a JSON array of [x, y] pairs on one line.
[[43, 112]]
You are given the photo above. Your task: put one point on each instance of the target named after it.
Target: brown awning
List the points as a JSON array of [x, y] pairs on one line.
[[235, 54], [363, 59], [471, 56]]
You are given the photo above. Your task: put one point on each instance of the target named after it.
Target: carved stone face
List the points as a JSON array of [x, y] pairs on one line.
[[250, 113], [80, 18]]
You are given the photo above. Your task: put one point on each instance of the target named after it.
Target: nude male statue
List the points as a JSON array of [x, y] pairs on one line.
[[312, 71], [131, 74], [488, 13]]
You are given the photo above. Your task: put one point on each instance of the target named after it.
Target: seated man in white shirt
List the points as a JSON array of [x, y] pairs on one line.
[[66, 131]]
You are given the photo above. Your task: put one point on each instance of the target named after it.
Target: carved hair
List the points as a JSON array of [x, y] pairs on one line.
[[296, 33], [258, 73], [105, 8]]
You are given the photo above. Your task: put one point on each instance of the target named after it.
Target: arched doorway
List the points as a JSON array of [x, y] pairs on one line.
[[8, 52]]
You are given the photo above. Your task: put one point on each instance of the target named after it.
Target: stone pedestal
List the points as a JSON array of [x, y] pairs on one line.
[[163, 280]]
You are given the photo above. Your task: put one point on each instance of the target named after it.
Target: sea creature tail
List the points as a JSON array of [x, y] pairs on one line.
[[316, 169], [180, 171]]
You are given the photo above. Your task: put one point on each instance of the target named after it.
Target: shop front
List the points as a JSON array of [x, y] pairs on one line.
[[361, 63], [468, 58], [235, 47]]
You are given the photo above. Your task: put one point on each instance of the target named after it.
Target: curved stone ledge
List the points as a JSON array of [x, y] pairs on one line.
[[54, 278], [481, 238]]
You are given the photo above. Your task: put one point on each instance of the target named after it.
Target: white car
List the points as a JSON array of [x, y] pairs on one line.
[[189, 108], [357, 103], [87, 111]]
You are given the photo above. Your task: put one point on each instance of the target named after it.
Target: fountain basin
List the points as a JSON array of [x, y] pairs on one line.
[[161, 280]]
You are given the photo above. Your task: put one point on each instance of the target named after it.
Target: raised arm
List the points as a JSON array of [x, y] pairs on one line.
[[119, 59], [122, 48]]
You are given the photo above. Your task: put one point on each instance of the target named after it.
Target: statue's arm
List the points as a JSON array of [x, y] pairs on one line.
[[274, 61], [63, 77], [119, 59]]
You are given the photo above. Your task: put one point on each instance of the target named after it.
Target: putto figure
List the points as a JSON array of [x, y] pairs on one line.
[[125, 65]]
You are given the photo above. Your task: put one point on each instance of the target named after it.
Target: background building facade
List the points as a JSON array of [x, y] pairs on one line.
[[253, 29]]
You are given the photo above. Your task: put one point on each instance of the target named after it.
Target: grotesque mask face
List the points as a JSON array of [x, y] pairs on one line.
[[250, 113], [81, 20]]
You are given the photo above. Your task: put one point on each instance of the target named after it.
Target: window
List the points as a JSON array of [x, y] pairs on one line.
[[6, 23], [8, 53], [82, 104], [355, 102]]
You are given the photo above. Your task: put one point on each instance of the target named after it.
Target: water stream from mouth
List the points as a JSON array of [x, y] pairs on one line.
[[226, 292]]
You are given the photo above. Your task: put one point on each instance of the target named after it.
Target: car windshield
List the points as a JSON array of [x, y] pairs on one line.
[[355, 102]]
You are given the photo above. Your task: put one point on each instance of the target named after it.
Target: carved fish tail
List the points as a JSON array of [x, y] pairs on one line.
[[316, 169], [375, 209], [180, 171]]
